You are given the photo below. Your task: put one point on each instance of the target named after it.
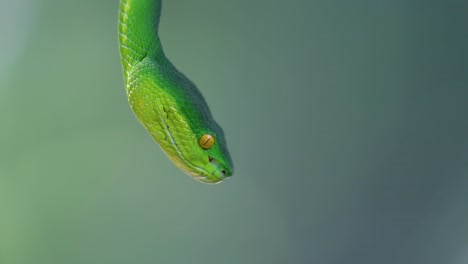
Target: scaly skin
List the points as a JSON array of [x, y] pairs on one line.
[[166, 102]]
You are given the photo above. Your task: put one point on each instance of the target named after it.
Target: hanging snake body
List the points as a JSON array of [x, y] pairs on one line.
[[167, 103]]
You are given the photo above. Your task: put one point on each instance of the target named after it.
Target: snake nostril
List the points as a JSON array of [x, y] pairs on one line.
[[223, 172], [210, 159]]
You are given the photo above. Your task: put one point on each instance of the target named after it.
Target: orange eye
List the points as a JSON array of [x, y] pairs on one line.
[[206, 141]]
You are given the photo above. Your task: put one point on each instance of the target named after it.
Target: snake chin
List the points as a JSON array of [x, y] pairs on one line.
[[213, 172]]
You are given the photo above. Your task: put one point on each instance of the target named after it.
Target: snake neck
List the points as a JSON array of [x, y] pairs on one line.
[[138, 32]]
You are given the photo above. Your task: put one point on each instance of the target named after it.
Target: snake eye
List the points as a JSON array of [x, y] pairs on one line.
[[206, 141]]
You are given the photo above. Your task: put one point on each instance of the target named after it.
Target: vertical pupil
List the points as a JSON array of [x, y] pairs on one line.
[[206, 141]]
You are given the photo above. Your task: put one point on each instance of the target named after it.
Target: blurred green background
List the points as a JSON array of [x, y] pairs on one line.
[[346, 120]]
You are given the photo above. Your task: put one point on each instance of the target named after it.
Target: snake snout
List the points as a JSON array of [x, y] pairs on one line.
[[220, 169]]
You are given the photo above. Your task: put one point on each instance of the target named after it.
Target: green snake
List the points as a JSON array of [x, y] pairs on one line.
[[167, 103]]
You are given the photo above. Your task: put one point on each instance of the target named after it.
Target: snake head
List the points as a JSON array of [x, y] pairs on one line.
[[176, 115], [219, 166], [208, 160], [205, 165]]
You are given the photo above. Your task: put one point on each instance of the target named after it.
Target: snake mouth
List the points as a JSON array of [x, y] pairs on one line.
[[213, 172]]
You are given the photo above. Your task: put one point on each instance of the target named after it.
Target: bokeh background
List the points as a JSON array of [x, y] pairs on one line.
[[347, 122]]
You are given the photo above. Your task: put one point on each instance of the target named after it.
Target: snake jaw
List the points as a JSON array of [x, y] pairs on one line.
[[213, 172]]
